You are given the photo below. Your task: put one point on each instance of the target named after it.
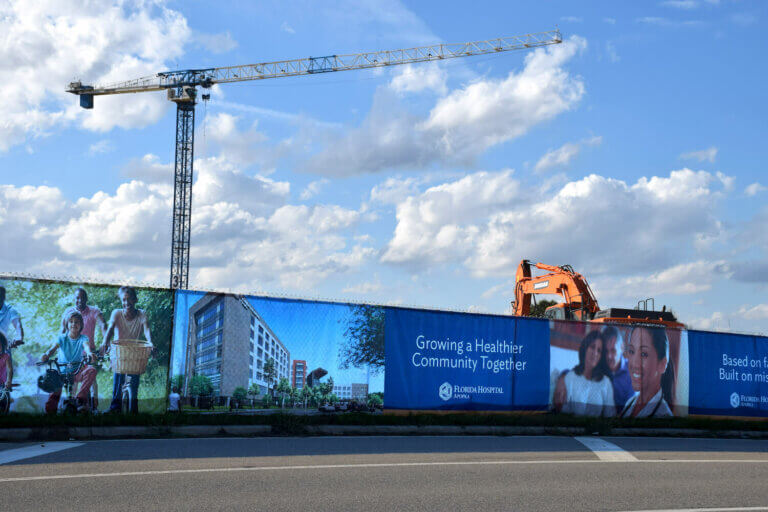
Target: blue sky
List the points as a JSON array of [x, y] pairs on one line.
[[633, 151]]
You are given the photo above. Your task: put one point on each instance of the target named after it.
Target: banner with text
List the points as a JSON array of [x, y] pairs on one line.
[[729, 374], [456, 361]]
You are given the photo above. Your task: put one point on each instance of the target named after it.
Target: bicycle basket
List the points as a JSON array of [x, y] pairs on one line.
[[50, 381], [130, 356]]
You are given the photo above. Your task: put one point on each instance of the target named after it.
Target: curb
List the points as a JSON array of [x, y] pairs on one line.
[[192, 431]]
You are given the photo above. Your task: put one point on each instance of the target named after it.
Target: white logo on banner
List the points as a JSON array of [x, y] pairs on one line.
[[735, 399], [446, 391]]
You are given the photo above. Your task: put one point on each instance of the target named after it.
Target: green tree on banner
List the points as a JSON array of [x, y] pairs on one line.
[[177, 382], [375, 400], [200, 385], [364, 344], [284, 389], [305, 395], [270, 375], [239, 394]]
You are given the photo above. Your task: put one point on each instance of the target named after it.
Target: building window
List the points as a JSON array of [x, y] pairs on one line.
[[261, 329]]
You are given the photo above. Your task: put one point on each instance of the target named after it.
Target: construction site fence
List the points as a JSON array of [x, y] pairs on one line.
[[217, 351]]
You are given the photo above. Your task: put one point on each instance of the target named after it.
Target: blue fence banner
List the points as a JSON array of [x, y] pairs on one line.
[[215, 351], [454, 361], [729, 374]]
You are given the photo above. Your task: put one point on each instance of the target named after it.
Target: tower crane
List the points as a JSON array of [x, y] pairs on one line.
[[182, 88]]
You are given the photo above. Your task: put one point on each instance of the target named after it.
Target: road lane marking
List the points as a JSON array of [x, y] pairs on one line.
[[373, 466], [606, 451], [36, 450], [727, 509]]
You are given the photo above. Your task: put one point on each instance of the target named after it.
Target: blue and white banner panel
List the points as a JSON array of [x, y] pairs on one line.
[[454, 361], [729, 374]]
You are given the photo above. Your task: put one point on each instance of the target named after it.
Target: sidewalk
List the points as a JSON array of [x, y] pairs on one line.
[[117, 432]]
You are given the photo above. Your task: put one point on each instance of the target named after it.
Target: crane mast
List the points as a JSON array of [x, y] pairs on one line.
[[182, 89]]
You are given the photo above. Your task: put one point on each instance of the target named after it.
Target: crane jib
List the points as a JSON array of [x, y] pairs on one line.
[[182, 84], [321, 64]]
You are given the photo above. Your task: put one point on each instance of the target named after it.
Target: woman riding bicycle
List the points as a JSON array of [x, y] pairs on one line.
[[73, 346]]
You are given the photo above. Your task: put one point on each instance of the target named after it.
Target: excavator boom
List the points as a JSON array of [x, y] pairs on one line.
[[579, 302], [562, 281]]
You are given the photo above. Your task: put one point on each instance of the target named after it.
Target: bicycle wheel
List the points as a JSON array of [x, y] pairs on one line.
[[127, 398], [70, 407], [5, 401]]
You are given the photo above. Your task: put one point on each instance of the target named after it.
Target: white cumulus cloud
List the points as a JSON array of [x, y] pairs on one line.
[[704, 155], [754, 189], [488, 222], [463, 123], [420, 78], [563, 155], [46, 44]]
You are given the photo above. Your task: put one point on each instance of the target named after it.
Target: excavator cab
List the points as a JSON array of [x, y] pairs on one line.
[[565, 311], [558, 312]]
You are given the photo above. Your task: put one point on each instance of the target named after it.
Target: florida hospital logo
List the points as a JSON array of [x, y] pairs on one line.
[[446, 391], [735, 399]]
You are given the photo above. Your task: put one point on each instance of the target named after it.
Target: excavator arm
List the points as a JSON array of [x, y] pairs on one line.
[[563, 281]]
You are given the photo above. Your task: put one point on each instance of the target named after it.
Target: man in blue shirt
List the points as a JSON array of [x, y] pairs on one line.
[[619, 373]]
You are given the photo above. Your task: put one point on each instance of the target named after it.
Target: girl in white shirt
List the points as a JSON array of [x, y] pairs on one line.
[[586, 390]]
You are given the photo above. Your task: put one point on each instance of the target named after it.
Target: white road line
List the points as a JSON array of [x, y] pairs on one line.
[[362, 466], [606, 451], [36, 450], [730, 509]]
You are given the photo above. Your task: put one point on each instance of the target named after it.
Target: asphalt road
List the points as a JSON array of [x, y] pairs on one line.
[[479, 474]]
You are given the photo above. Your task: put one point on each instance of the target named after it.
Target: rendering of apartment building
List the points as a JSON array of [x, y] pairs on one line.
[[359, 391], [230, 343], [354, 391], [343, 392], [299, 373]]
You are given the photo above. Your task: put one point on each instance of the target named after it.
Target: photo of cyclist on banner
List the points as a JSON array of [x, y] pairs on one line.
[[92, 318], [6, 374], [74, 354], [126, 326]]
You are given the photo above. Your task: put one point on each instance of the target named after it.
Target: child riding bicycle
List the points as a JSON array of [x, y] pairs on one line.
[[6, 374], [73, 345], [128, 323]]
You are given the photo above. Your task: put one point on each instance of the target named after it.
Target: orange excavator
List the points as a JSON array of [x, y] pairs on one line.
[[579, 302]]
